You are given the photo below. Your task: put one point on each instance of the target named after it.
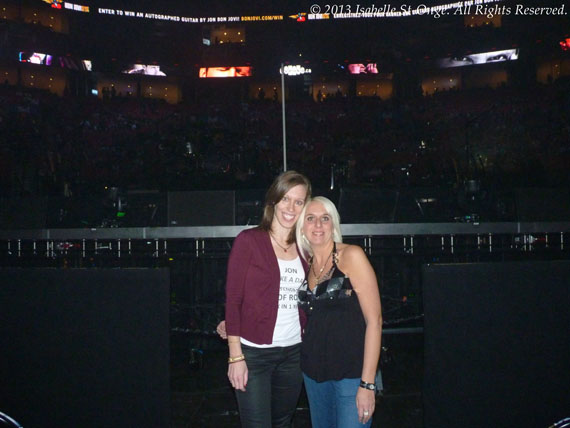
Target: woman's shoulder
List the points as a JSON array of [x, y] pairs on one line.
[[349, 251], [252, 235], [252, 232], [250, 243], [351, 258]]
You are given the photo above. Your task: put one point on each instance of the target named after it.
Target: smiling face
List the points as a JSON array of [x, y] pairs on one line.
[[287, 210], [318, 225]]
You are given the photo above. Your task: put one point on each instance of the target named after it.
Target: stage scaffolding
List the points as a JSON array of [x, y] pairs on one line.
[[197, 258]]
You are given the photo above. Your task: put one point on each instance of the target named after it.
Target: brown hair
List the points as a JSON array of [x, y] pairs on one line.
[[280, 186]]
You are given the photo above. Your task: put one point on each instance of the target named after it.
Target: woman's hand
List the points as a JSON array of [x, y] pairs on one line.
[[365, 404], [237, 374], [221, 329]]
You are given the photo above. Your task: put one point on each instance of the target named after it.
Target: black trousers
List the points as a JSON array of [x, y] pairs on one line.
[[273, 386]]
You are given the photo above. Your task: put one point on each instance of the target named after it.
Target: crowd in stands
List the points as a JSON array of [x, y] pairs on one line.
[[65, 146]]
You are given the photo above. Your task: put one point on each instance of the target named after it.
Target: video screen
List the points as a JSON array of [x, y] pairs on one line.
[[36, 58], [49, 60], [479, 58], [147, 70], [370, 68], [75, 64], [56, 4], [206, 72]]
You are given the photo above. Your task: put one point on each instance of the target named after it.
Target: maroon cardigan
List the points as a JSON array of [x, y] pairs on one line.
[[252, 287]]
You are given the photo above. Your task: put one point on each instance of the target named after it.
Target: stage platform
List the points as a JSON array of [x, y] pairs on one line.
[[202, 396]]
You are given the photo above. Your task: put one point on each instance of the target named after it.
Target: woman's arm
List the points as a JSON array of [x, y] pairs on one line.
[[238, 264], [363, 279], [237, 373]]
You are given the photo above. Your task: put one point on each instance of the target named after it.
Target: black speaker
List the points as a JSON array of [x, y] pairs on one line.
[[367, 205], [497, 344], [85, 347], [23, 213], [249, 206], [543, 204], [201, 208]]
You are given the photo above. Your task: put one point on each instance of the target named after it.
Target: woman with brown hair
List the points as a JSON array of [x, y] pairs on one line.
[[263, 324]]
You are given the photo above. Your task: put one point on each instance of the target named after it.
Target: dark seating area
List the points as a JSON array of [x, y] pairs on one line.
[[68, 146]]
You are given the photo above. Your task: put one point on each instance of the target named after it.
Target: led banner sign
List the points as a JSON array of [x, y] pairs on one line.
[[316, 12]]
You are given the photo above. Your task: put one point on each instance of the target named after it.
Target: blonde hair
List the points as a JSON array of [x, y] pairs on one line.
[[331, 210]]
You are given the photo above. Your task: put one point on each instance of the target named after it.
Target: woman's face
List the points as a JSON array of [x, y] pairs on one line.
[[287, 210], [318, 225]]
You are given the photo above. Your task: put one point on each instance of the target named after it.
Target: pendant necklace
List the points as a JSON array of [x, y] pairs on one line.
[[318, 277], [278, 244]]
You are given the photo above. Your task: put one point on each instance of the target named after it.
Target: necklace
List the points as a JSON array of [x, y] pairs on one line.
[[278, 244], [318, 277]]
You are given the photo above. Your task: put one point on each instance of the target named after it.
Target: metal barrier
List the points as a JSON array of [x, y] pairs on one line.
[[525, 236], [197, 258]]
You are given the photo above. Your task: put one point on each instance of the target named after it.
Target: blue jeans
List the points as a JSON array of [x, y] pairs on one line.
[[273, 386], [333, 403]]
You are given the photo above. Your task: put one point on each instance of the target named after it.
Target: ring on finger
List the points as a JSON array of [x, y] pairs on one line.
[[366, 413]]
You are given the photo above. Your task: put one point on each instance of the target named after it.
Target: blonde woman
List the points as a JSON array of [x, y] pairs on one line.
[[342, 337]]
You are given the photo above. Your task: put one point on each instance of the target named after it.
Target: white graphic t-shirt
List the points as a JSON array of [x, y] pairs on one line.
[[287, 330]]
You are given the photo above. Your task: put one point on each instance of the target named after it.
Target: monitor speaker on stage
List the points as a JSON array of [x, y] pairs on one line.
[[496, 344], [201, 208], [85, 347], [367, 205]]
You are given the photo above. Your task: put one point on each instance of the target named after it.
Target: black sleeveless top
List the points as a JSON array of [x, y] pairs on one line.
[[333, 338]]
